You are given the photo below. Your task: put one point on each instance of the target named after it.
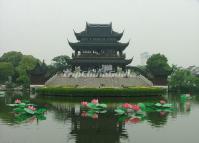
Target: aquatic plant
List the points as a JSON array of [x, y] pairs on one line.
[[93, 108], [25, 110], [127, 108], [136, 112], [94, 105]]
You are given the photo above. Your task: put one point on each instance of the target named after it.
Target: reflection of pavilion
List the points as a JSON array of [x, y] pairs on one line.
[[106, 128], [88, 130], [103, 129]]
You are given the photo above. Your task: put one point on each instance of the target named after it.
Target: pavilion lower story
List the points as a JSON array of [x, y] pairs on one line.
[[100, 64]]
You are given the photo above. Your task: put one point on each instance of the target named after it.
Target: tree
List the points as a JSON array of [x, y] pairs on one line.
[[183, 80], [6, 70], [12, 57], [61, 62], [26, 64], [158, 66], [23, 80], [51, 70]]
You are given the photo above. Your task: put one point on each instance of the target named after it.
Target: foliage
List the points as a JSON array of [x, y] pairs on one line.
[[183, 80], [17, 65], [127, 92], [158, 66], [143, 71], [24, 80], [26, 64], [61, 62], [51, 70], [6, 70], [12, 57]]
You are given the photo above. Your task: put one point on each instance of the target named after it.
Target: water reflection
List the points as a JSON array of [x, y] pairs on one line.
[[101, 127]]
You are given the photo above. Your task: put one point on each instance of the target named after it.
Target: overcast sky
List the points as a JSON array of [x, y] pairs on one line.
[[41, 27]]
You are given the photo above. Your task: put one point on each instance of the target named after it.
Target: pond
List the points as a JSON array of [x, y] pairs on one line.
[[66, 122]]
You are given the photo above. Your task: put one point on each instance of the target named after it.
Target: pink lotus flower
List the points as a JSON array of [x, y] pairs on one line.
[[126, 120], [32, 108], [84, 114], [17, 101], [135, 107], [84, 103], [95, 116], [135, 120], [162, 113], [95, 101], [127, 105], [162, 102]]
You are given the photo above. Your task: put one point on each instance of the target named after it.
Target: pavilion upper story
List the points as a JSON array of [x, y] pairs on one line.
[[98, 45]]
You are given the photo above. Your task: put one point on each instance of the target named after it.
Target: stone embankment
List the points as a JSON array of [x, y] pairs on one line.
[[98, 80]]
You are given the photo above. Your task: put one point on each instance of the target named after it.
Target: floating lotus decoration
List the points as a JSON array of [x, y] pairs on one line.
[[162, 104], [133, 120], [17, 101], [94, 105], [25, 110], [135, 113], [90, 113], [127, 112], [130, 112], [127, 108], [93, 108]]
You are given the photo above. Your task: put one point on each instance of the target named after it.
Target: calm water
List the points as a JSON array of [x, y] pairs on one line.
[[67, 123]]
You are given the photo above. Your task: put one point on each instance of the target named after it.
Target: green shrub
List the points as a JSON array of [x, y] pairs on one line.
[[130, 91]]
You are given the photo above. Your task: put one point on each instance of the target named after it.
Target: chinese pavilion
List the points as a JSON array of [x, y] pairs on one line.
[[98, 47]]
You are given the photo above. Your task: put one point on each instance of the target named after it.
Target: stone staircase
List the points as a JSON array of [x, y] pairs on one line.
[[98, 82]]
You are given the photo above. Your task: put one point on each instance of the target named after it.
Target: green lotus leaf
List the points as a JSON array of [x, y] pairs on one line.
[[103, 111], [30, 104], [91, 105], [142, 106], [25, 101], [90, 113], [141, 116], [40, 111], [101, 106], [21, 105], [19, 110], [167, 105], [119, 111], [12, 105], [123, 118], [23, 117], [29, 111], [158, 105]]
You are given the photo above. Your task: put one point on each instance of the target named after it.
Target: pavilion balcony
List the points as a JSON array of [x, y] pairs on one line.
[[123, 56]]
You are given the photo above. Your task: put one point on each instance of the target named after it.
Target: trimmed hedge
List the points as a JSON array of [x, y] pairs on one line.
[[130, 91]]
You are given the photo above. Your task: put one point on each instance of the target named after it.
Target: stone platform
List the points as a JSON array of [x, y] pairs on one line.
[[96, 80]]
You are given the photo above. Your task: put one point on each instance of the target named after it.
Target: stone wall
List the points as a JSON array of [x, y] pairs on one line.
[[135, 80]]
